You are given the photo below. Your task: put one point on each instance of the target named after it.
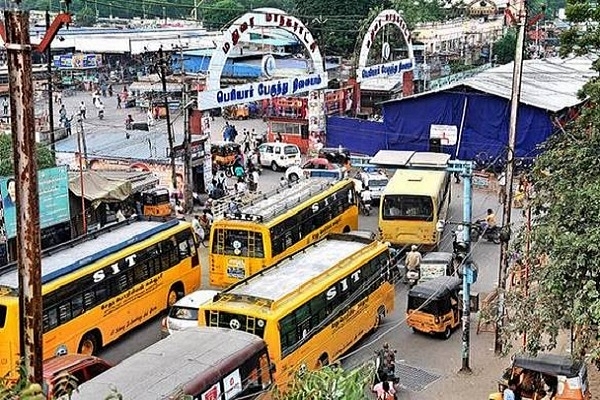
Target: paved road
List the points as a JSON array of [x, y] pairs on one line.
[[431, 355]]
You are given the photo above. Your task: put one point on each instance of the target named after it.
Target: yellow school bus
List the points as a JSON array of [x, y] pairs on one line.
[[312, 306], [412, 203], [99, 287], [278, 225]]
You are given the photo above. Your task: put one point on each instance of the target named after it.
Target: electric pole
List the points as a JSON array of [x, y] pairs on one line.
[[163, 77], [189, 181], [510, 164], [50, 95], [18, 52]]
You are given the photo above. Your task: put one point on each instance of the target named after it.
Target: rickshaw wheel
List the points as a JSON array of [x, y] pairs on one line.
[[447, 333], [415, 330]]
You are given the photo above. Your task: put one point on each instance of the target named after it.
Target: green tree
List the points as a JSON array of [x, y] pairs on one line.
[[332, 383], [505, 47], [45, 157], [562, 247], [85, 17], [219, 13]]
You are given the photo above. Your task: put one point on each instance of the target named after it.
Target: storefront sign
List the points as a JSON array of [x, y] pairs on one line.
[[386, 17], [53, 187], [384, 70], [77, 61], [448, 134], [261, 91], [274, 18]]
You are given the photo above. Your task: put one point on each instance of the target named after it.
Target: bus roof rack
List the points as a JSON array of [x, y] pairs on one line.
[[270, 205], [410, 159]]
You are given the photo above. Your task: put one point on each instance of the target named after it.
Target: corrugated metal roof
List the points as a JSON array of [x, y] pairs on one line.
[[112, 142], [549, 84]]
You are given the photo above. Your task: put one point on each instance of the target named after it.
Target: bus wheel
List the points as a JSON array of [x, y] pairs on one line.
[[173, 296], [346, 229], [447, 333], [89, 344], [324, 360], [379, 318]]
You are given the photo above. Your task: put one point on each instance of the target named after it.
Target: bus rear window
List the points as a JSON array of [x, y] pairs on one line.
[[240, 243], [237, 322], [2, 316], [408, 207]]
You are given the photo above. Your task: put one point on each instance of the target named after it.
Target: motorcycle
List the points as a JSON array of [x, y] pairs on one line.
[[385, 368], [364, 207], [480, 230]]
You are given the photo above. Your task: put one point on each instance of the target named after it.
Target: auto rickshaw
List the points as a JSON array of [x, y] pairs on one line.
[[223, 154], [156, 202], [240, 111], [434, 306], [555, 376]]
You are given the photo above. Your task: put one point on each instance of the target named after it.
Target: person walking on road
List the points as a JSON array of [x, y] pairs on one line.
[[246, 139], [502, 187], [5, 106], [82, 110], [510, 391]]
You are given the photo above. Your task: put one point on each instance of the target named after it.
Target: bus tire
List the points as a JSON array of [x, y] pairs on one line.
[[90, 343], [379, 318], [175, 293], [346, 229], [324, 360]]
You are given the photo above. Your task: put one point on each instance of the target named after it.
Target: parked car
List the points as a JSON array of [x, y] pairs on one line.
[[376, 181], [279, 155], [184, 313], [62, 374], [315, 167]]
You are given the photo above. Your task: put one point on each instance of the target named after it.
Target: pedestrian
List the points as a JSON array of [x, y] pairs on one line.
[[150, 117], [95, 98], [226, 132], [5, 106], [62, 112], [254, 138], [240, 186], [82, 110], [510, 392], [110, 91], [129, 122], [118, 102], [67, 125], [246, 139], [502, 187], [59, 97], [255, 176], [197, 227], [279, 138], [234, 133], [239, 171], [384, 391], [283, 183]]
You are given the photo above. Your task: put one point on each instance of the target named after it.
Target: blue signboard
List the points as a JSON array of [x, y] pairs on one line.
[[53, 186]]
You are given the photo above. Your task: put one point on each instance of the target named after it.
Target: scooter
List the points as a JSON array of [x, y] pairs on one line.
[[364, 207], [481, 230]]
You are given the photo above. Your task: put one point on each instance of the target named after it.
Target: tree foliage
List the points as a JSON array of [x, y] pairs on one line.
[[45, 158], [505, 47], [332, 383], [564, 241]]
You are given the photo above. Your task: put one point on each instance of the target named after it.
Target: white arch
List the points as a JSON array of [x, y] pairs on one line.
[[260, 18], [386, 17]]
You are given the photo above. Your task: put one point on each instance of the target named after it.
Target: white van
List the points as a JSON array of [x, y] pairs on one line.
[[279, 155], [376, 182]]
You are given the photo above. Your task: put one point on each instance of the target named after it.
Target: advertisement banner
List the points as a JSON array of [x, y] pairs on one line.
[[53, 187], [254, 91], [394, 68], [77, 61], [317, 120]]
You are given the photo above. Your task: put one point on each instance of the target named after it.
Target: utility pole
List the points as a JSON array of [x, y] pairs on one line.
[[50, 95], [163, 77], [189, 179], [81, 132], [510, 165], [18, 48]]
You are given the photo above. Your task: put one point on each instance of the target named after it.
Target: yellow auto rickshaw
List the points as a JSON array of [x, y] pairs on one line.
[[223, 154], [156, 202], [434, 306], [546, 376], [240, 111]]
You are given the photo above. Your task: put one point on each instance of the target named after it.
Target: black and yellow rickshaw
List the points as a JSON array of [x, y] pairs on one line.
[[156, 202], [434, 306], [558, 376], [224, 154]]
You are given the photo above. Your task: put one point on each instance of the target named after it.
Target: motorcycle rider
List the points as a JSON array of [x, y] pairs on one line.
[[388, 363], [412, 260], [490, 221], [365, 198]]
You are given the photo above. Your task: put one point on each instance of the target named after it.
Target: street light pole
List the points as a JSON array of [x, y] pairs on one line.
[[50, 95], [163, 77], [510, 164]]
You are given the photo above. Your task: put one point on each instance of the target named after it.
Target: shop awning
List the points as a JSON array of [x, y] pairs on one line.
[[98, 189]]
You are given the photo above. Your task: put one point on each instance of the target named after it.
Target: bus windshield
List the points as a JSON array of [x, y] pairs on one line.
[[418, 208]]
